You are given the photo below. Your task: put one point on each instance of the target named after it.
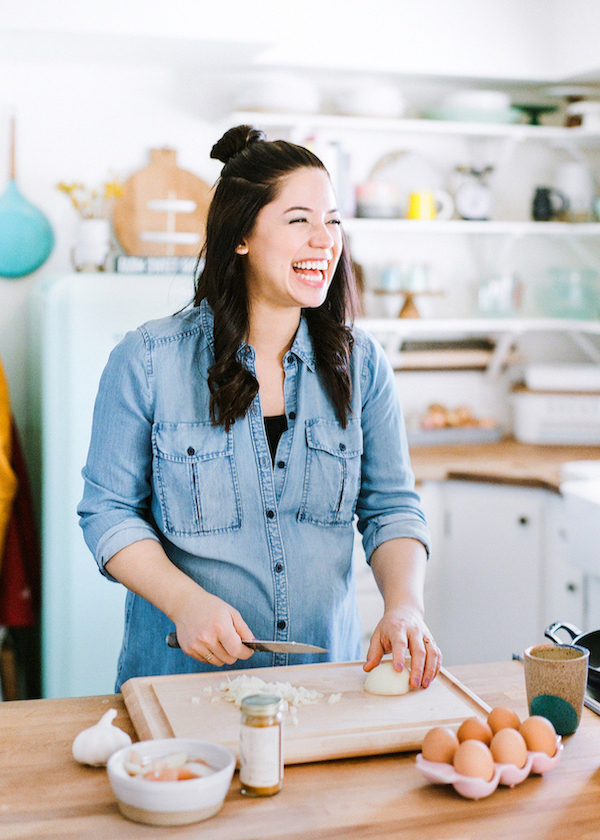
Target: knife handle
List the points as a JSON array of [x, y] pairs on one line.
[[171, 640]]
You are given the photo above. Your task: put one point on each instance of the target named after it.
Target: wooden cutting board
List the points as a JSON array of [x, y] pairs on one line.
[[191, 706], [163, 209]]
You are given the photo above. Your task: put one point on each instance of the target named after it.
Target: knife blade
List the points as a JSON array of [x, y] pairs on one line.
[[265, 645]]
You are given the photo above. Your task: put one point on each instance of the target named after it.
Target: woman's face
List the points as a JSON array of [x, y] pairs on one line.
[[293, 250]]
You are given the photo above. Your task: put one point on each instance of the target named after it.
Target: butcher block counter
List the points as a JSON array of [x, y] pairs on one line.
[[45, 794], [505, 462]]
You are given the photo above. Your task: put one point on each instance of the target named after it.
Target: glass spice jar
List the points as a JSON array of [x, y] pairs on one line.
[[261, 745]]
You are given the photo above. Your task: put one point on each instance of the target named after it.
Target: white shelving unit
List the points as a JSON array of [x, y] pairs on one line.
[[477, 248], [392, 332], [301, 124], [475, 228]]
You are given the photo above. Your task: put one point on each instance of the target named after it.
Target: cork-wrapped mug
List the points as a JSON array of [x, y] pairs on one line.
[[556, 679]]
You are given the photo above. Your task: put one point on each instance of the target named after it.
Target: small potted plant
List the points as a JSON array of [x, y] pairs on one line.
[[93, 245]]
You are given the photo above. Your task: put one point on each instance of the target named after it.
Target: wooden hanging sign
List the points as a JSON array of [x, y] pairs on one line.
[[163, 209]]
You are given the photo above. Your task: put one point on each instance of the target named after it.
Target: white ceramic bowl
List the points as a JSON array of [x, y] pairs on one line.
[[484, 100], [370, 99], [278, 92], [171, 803]]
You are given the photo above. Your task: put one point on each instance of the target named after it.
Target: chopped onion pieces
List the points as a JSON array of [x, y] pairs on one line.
[[175, 767]]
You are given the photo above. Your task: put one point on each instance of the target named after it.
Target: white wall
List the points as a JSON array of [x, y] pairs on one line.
[[82, 122], [95, 86]]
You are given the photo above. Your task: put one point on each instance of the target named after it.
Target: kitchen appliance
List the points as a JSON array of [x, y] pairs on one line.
[[591, 641], [77, 319]]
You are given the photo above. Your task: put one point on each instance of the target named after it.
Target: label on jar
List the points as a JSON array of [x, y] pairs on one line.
[[261, 756]]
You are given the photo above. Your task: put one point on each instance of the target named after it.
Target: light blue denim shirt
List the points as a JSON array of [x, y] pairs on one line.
[[274, 541]]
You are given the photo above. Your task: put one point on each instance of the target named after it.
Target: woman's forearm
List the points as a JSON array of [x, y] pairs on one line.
[[399, 569], [208, 628], [144, 568]]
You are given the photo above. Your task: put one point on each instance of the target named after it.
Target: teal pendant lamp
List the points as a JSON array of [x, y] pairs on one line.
[[26, 237]]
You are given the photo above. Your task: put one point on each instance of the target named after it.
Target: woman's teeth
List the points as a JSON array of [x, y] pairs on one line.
[[307, 268]]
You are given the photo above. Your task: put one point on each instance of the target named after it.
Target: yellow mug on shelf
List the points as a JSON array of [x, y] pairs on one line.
[[430, 204]]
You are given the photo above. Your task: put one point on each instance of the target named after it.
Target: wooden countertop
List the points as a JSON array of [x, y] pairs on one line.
[[44, 793], [505, 462]]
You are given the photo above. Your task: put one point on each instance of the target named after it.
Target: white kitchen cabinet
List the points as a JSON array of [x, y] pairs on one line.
[[498, 573], [501, 571], [562, 583], [490, 571]]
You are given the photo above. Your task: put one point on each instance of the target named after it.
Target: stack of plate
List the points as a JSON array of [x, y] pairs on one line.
[[488, 106]]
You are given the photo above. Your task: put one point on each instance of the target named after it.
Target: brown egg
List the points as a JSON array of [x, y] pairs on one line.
[[508, 747], [473, 758], [475, 728], [439, 744], [539, 734], [501, 717]]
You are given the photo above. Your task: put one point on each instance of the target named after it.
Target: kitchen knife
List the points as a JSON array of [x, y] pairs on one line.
[[261, 644]]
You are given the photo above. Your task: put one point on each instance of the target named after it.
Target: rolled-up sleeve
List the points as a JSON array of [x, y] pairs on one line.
[[388, 505], [115, 509]]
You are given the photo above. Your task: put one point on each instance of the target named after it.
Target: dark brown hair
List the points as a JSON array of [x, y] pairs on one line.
[[249, 180]]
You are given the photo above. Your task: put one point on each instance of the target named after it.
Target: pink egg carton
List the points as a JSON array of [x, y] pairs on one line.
[[510, 775]]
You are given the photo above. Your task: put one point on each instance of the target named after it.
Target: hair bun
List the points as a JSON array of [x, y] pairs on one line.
[[235, 141]]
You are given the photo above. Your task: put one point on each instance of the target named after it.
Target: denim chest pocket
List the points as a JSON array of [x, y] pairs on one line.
[[332, 472], [196, 478]]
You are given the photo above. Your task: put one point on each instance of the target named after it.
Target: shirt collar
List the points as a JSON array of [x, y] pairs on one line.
[[302, 346]]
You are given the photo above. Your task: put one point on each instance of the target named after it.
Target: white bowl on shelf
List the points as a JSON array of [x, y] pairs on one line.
[[171, 803], [370, 99], [277, 92]]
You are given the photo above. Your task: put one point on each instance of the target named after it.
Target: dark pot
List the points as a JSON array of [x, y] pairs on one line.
[[590, 640]]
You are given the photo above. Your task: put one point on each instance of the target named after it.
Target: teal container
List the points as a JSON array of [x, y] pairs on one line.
[[26, 236], [570, 293]]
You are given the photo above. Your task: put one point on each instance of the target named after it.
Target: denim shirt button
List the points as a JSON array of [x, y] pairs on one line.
[[281, 464], [270, 514], [342, 447], [191, 450], [279, 567], [281, 625], [292, 415]]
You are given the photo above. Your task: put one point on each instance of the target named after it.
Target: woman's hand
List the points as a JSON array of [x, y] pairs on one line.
[[211, 630], [208, 628], [401, 631]]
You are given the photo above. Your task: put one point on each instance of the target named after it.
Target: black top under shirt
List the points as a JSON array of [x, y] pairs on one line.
[[275, 427]]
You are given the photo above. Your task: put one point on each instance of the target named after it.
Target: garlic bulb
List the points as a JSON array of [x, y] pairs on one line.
[[95, 745]]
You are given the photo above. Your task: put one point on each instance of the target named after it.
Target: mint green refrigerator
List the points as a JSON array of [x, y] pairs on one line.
[[77, 319]]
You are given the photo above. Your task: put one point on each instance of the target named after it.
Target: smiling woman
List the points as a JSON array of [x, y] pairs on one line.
[[235, 443], [294, 247]]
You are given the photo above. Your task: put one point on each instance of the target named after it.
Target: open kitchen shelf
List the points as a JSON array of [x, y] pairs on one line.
[[510, 244], [305, 123], [503, 334], [461, 226]]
